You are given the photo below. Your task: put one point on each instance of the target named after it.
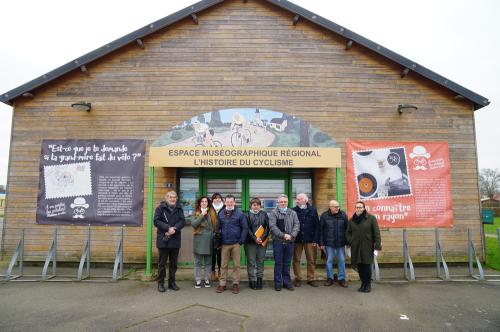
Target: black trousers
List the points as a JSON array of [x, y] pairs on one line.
[[365, 273], [216, 258], [171, 254]]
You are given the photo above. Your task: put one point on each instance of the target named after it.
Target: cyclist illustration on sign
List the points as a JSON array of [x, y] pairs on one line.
[[241, 136]]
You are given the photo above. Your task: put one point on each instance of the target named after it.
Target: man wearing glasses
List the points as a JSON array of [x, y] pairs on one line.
[[333, 227], [284, 226]]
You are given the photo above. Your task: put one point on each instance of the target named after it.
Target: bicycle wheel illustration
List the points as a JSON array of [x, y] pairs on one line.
[[246, 137], [236, 139]]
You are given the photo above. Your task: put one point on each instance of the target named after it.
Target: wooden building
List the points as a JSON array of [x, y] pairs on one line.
[[222, 55]]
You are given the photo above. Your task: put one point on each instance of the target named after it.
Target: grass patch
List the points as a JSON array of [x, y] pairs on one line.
[[492, 228], [492, 253]]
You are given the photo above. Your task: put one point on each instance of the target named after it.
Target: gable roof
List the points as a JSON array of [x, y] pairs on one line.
[[300, 13]]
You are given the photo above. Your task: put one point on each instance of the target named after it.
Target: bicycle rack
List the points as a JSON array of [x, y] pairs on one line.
[[471, 253], [440, 259], [409, 271], [51, 257], [118, 267], [17, 256], [84, 259], [376, 269]]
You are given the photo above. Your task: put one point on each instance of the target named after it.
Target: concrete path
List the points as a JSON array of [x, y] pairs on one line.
[[131, 305]]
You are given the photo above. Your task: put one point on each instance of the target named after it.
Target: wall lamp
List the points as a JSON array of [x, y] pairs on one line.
[[406, 108], [82, 106]]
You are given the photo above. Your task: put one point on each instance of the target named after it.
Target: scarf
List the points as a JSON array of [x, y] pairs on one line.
[[357, 219]]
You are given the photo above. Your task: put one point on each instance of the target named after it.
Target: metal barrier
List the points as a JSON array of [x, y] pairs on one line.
[[85, 261]]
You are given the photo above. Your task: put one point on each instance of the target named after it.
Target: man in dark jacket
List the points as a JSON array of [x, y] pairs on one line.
[[306, 240], [333, 227], [232, 226], [169, 220]]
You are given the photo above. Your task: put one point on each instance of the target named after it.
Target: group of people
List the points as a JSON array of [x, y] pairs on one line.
[[220, 229]]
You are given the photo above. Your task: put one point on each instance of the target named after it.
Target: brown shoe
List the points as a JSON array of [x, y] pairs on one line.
[[328, 282], [343, 283], [297, 283], [236, 289], [220, 289], [313, 283]]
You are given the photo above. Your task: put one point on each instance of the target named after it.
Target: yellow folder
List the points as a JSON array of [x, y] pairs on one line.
[[259, 232]]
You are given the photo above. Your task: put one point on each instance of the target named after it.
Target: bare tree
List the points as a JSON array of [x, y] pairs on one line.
[[489, 182]]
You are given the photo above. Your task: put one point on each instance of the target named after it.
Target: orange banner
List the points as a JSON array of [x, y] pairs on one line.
[[404, 184]]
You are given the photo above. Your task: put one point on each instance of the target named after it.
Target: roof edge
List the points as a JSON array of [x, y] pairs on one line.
[[164, 22], [477, 100]]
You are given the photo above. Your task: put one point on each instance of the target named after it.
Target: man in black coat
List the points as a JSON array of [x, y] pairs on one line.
[[333, 227], [168, 220]]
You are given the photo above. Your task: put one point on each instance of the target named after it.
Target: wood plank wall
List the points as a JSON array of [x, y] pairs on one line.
[[239, 55]]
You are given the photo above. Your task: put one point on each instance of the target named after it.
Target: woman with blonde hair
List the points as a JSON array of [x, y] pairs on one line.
[[204, 223]]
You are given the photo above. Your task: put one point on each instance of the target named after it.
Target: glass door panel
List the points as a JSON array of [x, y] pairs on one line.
[[225, 187], [267, 191]]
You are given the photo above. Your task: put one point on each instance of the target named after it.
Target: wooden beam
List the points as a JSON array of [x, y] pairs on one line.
[[140, 43], [405, 72], [194, 18], [296, 19], [349, 44]]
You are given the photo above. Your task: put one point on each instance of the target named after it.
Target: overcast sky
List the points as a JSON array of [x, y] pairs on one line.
[[457, 39]]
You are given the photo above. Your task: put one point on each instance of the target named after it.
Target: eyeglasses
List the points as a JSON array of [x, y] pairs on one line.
[[359, 207], [334, 207], [282, 202]]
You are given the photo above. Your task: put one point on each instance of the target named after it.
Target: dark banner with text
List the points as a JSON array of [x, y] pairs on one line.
[[404, 184], [97, 182]]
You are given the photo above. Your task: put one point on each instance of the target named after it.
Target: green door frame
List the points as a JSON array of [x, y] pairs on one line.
[[253, 173]]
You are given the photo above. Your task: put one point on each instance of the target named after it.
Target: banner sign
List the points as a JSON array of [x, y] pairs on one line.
[[246, 138], [244, 157], [97, 182], [404, 184]]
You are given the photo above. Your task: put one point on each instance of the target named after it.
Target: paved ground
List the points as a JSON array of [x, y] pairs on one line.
[[131, 305]]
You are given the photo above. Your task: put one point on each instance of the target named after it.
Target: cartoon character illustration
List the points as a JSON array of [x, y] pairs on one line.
[[420, 156], [79, 207]]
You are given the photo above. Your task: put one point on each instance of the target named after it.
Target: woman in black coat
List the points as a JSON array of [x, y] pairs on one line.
[[363, 236]]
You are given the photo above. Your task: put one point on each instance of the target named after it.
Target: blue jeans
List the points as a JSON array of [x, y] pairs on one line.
[[283, 253], [340, 254]]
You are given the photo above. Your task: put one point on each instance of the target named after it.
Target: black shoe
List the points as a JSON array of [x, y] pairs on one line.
[[259, 284], [251, 284], [362, 288], [161, 288], [173, 286], [368, 288], [277, 288], [289, 287]]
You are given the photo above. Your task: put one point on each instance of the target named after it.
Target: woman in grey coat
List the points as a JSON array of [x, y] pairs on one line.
[[204, 223]]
